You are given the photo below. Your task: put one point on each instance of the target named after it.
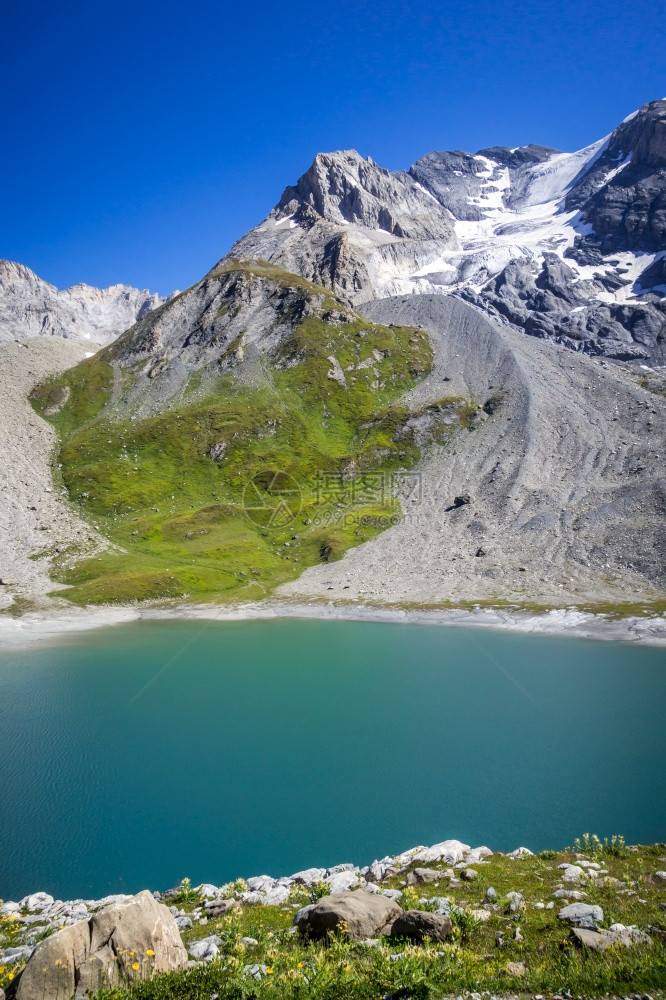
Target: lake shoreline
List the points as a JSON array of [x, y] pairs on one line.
[[42, 627]]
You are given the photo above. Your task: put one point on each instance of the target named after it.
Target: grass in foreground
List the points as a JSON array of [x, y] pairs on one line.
[[472, 961]]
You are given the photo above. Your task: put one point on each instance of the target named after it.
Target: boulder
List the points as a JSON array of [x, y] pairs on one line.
[[417, 925], [379, 870], [521, 852], [343, 881], [365, 915], [516, 968], [310, 876], [206, 949], [261, 883], [450, 851], [208, 891], [572, 873], [103, 950], [218, 907], [469, 875], [582, 915], [600, 940], [427, 875], [37, 901]]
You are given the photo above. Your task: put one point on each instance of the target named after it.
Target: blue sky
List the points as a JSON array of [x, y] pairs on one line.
[[141, 139]]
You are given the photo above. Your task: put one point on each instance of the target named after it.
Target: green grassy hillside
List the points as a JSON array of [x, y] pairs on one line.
[[188, 495]]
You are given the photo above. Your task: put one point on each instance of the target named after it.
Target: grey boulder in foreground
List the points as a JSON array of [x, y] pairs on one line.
[[358, 915], [80, 959], [417, 925]]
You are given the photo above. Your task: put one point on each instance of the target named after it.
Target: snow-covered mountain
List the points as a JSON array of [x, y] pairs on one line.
[[31, 307], [568, 246]]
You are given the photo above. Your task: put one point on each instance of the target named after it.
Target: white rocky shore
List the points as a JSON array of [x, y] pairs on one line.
[[50, 625]]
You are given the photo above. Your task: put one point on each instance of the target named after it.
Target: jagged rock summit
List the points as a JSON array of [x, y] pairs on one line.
[[566, 246], [31, 307], [347, 222]]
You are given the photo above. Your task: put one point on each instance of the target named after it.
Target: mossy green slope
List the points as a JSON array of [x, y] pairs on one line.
[[176, 491]]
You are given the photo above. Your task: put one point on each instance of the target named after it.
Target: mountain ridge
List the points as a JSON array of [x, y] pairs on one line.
[[31, 307], [486, 228]]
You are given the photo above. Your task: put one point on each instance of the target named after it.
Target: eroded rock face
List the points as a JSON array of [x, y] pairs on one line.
[[358, 914], [104, 950]]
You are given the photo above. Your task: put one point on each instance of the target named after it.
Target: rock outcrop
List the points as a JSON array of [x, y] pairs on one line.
[[125, 941]]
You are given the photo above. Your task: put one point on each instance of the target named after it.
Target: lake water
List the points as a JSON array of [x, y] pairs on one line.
[[271, 746]]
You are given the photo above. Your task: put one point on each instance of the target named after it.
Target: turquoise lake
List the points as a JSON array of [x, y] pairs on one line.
[[271, 746]]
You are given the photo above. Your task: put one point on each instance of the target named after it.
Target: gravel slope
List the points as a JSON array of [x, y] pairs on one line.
[[566, 479], [33, 516]]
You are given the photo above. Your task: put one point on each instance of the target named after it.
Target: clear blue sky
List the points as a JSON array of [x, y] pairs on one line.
[[141, 139]]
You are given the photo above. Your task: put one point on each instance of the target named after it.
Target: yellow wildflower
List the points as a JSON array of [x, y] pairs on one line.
[[150, 952], [269, 971], [135, 966], [301, 964], [132, 954], [11, 976]]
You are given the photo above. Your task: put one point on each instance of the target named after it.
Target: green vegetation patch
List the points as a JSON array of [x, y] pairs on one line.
[[189, 496]]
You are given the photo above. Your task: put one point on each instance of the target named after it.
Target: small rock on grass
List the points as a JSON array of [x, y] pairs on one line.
[[425, 875], [516, 968], [206, 948], [582, 915], [600, 940], [257, 971], [218, 907]]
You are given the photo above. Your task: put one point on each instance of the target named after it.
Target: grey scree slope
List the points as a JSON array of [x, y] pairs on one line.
[[33, 514], [566, 478]]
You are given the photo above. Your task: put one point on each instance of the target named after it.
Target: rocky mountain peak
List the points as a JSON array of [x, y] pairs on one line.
[[622, 196], [343, 188], [491, 227], [31, 307]]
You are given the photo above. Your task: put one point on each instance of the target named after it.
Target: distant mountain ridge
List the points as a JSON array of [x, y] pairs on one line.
[[31, 307], [566, 246]]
